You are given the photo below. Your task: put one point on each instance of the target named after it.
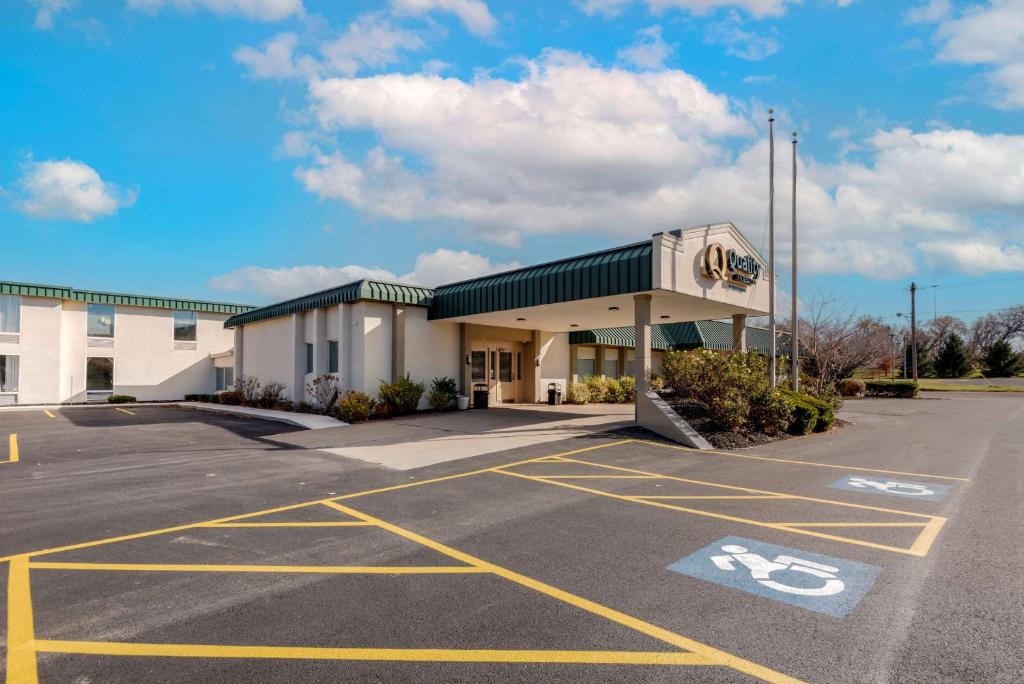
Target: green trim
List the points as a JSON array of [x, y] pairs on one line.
[[621, 270], [94, 296], [372, 290], [696, 335]]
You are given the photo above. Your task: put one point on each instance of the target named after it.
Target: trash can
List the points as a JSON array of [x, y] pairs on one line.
[[480, 395], [554, 394]]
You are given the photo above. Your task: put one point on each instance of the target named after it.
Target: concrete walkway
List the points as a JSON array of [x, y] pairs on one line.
[[417, 441], [307, 421]]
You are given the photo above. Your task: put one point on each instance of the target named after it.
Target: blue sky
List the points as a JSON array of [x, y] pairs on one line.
[[250, 150]]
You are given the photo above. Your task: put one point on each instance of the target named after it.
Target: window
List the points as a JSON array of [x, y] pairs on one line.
[[309, 357], [611, 368], [10, 313], [225, 378], [101, 320], [99, 374], [479, 360], [185, 326], [505, 366], [9, 373], [585, 368], [332, 356]]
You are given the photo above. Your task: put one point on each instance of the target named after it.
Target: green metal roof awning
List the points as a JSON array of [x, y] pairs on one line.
[[373, 290], [97, 297], [697, 335], [610, 272]]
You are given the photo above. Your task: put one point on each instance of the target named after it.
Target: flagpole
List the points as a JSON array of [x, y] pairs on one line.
[[771, 246], [794, 342]]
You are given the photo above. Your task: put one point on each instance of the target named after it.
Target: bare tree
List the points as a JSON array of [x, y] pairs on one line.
[[834, 345], [939, 329], [1004, 325]]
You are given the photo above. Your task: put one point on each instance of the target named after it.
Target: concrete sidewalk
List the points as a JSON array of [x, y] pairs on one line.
[[308, 421], [417, 441]]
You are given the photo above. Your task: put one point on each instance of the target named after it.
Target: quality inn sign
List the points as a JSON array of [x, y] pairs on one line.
[[735, 269]]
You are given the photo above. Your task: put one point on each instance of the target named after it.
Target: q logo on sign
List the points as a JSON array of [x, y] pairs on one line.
[[716, 262]]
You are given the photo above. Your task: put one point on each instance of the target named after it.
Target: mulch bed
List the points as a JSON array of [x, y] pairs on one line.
[[695, 413]]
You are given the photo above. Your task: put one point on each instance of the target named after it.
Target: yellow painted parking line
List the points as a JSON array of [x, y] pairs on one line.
[[340, 523], [21, 655], [714, 655], [49, 415], [304, 504], [310, 569], [719, 496], [852, 524], [12, 449], [130, 413], [602, 477], [421, 655], [702, 452], [920, 546]]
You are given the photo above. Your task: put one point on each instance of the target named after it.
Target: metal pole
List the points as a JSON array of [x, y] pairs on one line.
[[892, 344], [794, 342], [913, 328], [771, 246]]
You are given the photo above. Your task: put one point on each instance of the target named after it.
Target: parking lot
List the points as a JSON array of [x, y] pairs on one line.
[[165, 545]]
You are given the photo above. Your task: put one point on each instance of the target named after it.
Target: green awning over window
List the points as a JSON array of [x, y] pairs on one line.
[[97, 297], [695, 335]]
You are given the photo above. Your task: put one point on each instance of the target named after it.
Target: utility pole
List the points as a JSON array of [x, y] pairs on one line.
[[892, 344], [771, 246], [794, 342], [913, 328]]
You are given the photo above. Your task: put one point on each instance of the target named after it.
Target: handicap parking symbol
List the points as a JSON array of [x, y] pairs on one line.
[[824, 584], [924, 491]]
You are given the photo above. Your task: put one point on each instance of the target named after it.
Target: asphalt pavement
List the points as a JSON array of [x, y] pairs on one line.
[[167, 545]]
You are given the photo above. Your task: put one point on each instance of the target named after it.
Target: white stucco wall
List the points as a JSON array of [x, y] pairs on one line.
[[431, 349], [38, 349], [371, 327], [267, 351]]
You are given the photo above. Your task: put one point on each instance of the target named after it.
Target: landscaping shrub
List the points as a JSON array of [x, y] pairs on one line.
[[627, 389], [302, 407], [121, 399], [323, 392], [820, 416], [354, 407], [247, 387], [597, 389], [400, 397], [770, 413], [577, 393], [208, 398], [269, 395], [852, 387], [892, 388], [229, 398], [444, 392], [729, 385], [803, 418]]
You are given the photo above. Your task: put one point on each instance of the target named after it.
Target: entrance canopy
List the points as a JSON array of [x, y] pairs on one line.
[[700, 273]]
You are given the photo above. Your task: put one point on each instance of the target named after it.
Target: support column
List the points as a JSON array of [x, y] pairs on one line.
[[319, 342], [397, 341], [298, 388], [465, 347], [344, 334], [642, 352], [573, 353], [239, 351], [739, 332], [599, 361]]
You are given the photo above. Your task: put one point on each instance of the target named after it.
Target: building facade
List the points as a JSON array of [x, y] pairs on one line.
[[61, 344], [514, 333]]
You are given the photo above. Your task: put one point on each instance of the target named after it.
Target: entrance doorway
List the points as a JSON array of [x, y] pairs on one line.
[[499, 365]]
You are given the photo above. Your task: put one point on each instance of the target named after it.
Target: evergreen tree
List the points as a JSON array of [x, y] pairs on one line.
[[1001, 361], [952, 360], [925, 367]]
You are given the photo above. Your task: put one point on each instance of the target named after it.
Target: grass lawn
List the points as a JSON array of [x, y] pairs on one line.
[[937, 385]]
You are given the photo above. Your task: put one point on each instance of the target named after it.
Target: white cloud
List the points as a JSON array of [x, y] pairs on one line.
[[991, 35], [649, 52], [276, 59], [47, 10], [67, 190], [608, 9], [976, 256], [739, 42], [755, 8], [929, 13], [474, 14], [372, 41], [259, 10], [431, 269]]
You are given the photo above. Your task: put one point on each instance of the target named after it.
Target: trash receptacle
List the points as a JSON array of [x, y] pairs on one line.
[[554, 394], [480, 395]]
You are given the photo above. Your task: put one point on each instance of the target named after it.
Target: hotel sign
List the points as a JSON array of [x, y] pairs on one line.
[[728, 265]]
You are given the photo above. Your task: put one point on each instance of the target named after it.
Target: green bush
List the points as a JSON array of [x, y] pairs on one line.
[[121, 399], [803, 418], [444, 392], [771, 412], [302, 407], [852, 387], [597, 389], [904, 389], [953, 359], [208, 398], [354, 407], [1001, 361], [730, 385], [229, 398], [269, 396], [400, 397], [576, 394]]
